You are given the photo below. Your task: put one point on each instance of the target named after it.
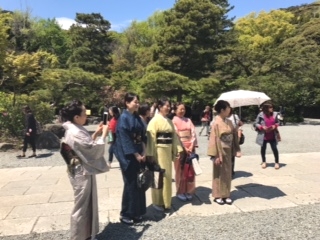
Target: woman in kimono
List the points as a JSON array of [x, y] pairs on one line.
[[163, 146], [187, 134], [266, 125], [84, 157], [223, 144], [130, 151]]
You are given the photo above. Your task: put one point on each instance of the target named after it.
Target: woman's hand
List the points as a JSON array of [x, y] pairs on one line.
[[139, 157], [238, 154], [217, 162], [99, 128]]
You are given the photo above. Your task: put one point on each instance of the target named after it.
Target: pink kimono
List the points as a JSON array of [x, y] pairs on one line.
[[187, 135]]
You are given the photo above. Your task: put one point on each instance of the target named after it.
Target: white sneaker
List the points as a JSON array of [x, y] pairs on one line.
[[182, 197], [189, 196], [158, 208]]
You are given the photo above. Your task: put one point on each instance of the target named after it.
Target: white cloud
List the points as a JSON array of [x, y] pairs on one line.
[[119, 27], [65, 23]]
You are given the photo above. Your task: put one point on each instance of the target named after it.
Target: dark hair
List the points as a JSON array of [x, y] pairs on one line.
[[71, 110], [265, 108], [162, 101], [27, 109], [177, 105], [115, 111], [221, 104], [129, 97], [143, 109]]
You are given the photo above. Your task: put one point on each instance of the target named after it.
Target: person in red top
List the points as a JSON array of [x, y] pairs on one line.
[[112, 125], [267, 125]]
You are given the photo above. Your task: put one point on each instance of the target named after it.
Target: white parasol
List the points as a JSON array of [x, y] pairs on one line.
[[240, 98]]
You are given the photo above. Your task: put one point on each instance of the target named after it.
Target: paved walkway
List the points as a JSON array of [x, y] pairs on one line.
[[39, 199]]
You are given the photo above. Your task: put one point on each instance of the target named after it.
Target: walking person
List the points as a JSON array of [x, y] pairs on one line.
[[223, 145], [187, 134], [237, 123], [266, 125], [112, 124], [130, 152], [30, 133], [84, 157], [163, 146], [206, 118]]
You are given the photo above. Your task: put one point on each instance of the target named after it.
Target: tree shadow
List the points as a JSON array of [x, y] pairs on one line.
[[239, 174], [256, 190], [119, 230]]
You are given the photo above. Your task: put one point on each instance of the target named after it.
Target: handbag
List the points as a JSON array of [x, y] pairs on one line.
[[145, 179], [278, 137], [241, 139], [110, 137]]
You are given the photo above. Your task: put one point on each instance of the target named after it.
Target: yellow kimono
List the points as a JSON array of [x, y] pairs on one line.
[[163, 145]]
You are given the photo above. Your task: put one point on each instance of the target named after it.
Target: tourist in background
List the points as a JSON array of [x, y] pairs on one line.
[[206, 118], [237, 123], [266, 125], [112, 124], [30, 132]]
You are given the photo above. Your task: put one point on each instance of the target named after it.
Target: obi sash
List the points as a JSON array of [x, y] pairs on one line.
[[184, 135], [164, 138]]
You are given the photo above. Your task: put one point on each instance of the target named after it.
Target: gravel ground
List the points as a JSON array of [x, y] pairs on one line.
[[295, 139], [291, 223]]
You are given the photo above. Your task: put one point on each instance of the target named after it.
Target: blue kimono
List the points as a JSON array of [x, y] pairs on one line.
[[131, 135]]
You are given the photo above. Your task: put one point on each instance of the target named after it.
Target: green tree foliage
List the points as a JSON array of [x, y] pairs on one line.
[[90, 43], [193, 34], [49, 37]]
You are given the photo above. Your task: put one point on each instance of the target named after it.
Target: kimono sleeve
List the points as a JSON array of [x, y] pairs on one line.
[[151, 139], [193, 134], [84, 143], [124, 135], [176, 144], [213, 142]]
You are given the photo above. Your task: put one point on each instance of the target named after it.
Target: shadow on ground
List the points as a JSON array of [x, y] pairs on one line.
[[256, 190], [121, 231], [239, 174]]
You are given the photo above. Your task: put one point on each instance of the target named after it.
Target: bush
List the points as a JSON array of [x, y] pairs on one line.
[[12, 119]]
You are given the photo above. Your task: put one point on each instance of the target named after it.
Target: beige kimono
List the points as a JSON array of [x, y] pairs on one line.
[[84, 217], [223, 143]]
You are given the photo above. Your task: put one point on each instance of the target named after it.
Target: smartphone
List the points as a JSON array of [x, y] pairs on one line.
[[105, 118]]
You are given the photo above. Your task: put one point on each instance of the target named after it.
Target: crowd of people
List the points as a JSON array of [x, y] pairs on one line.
[[160, 134]]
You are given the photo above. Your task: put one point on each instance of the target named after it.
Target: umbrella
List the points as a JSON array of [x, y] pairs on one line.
[[239, 98]]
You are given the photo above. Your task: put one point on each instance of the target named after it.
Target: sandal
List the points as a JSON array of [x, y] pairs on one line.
[[264, 165], [277, 166], [219, 201], [31, 156], [21, 156], [228, 201]]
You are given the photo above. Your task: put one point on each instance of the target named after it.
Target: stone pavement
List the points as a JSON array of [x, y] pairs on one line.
[[40, 199]]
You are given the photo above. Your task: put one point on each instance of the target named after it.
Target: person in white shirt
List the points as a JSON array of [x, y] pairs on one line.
[[237, 123]]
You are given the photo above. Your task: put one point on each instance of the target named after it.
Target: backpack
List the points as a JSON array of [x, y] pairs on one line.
[[39, 129]]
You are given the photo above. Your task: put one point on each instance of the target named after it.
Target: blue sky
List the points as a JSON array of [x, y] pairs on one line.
[[121, 12]]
